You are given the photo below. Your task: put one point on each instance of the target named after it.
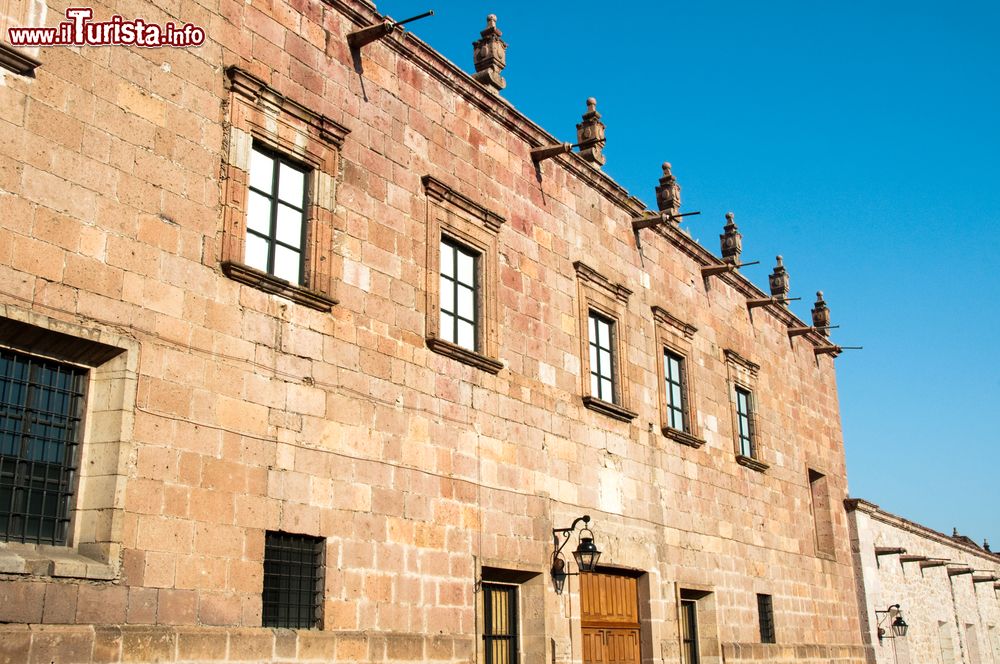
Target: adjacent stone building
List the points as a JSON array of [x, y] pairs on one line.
[[945, 589], [310, 341]]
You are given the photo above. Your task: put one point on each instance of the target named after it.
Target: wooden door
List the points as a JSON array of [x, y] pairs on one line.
[[609, 616]]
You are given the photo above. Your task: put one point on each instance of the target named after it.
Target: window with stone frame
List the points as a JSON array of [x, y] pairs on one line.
[[500, 623], [41, 408], [674, 339], [698, 625], [293, 580], [602, 312], [462, 272], [20, 14], [765, 617], [281, 166], [510, 618], [746, 421], [689, 631], [67, 394]]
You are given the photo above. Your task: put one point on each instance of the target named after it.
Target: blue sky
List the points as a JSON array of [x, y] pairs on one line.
[[857, 139]]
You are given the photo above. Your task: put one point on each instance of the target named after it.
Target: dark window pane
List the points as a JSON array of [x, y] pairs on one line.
[[41, 402], [458, 295], [744, 423], [673, 371], [601, 357], [293, 580], [689, 631], [765, 609], [500, 623], [275, 231]]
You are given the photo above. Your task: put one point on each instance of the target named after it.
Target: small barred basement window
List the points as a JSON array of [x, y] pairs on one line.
[[293, 580]]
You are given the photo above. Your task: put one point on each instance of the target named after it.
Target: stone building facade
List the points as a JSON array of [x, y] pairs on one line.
[[310, 340], [946, 588]]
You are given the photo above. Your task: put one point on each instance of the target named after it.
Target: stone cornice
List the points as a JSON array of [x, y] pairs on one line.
[[737, 359], [703, 257], [664, 317], [683, 437], [272, 284], [446, 72], [751, 463], [470, 357], [16, 61], [260, 93], [592, 277], [878, 514], [612, 410], [439, 191], [407, 45]]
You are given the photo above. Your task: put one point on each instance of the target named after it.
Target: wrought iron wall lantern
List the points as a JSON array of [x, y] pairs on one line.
[[896, 628], [586, 553]]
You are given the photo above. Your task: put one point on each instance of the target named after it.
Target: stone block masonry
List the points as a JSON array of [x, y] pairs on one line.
[[946, 588], [224, 402]]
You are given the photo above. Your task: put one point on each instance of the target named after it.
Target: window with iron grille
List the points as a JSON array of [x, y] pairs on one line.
[[41, 405], [459, 294], [602, 369], [293, 580], [744, 422], [276, 227], [689, 631], [500, 623], [676, 384], [765, 610]]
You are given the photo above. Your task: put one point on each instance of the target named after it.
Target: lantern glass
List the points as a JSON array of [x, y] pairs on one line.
[[586, 554], [899, 626], [559, 574], [558, 581]]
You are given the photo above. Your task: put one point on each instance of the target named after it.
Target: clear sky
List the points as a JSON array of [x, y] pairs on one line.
[[859, 139]]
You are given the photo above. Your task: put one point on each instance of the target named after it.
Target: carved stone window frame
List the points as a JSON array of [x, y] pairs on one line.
[[21, 60], [743, 373], [456, 217], [599, 294], [97, 508], [675, 335], [259, 114]]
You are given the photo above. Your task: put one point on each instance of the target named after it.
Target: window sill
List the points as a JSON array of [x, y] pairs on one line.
[[272, 284], [464, 355], [752, 464], [683, 437], [609, 409], [54, 561], [17, 62]]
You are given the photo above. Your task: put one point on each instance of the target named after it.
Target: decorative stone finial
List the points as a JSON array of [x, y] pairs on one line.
[[779, 281], [668, 192], [954, 532], [590, 134], [489, 55], [821, 315], [986, 546], [732, 241]]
